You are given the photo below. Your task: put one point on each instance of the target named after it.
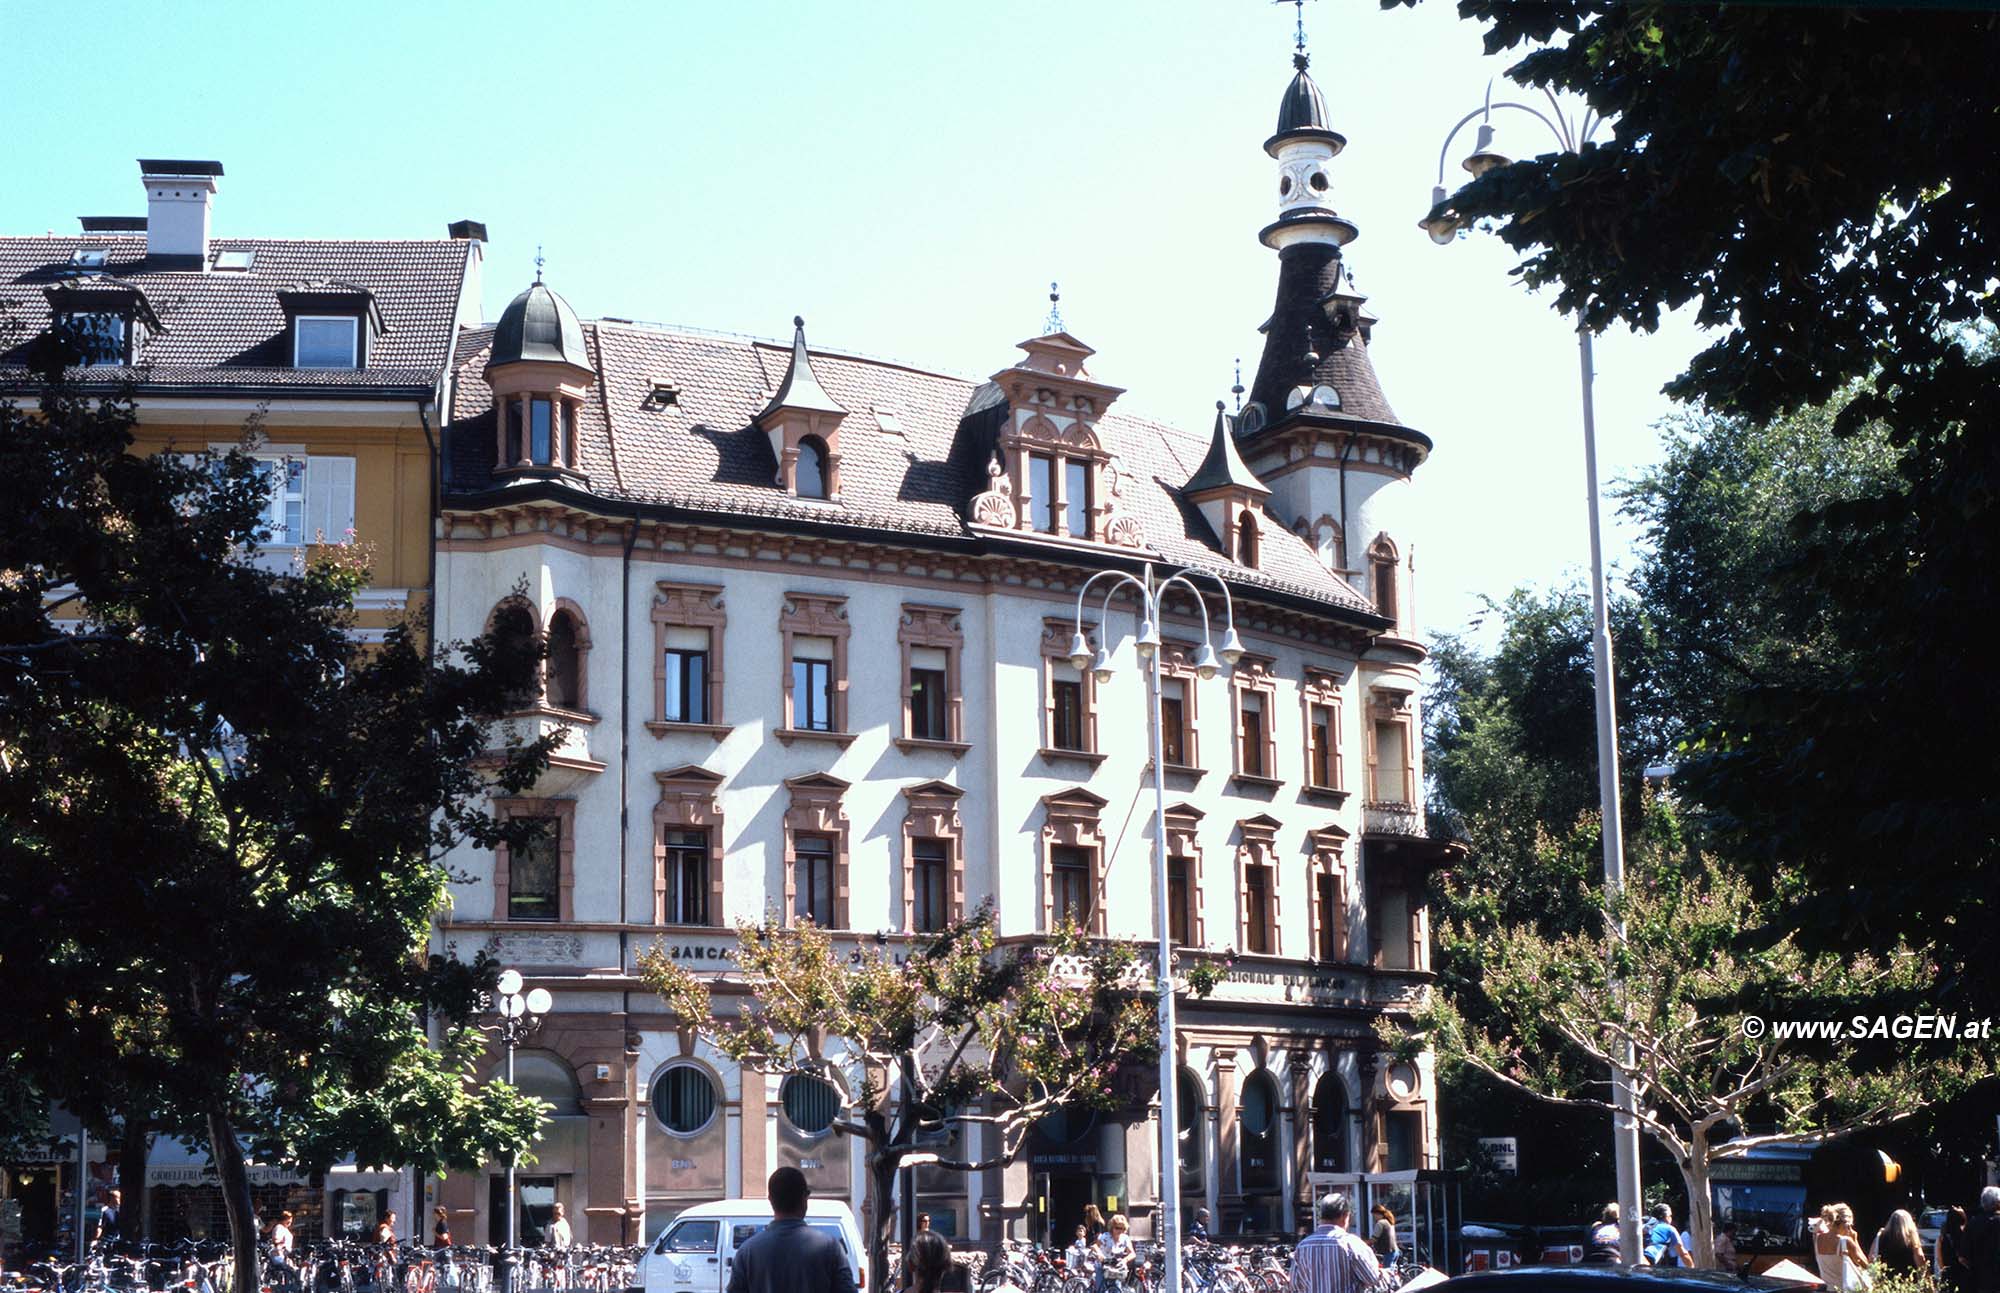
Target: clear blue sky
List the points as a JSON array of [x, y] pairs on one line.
[[909, 176]]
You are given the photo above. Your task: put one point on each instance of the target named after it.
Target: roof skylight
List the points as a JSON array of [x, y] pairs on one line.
[[89, 257], [235, 260]]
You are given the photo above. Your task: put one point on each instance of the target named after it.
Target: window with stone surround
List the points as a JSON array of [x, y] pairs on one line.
[[1253, 688], [933, 693], [1179, 690], [688, 622], [515, 625], [687, 848], [814, 630], [1055, 474], [933, 857], [1382, 561], [1392, 777], [568, 667], [1073, 860], [1184, 896], [535, 879], [816, 851], [1319, 696], [1328, 912], [1069, 696], [1397, 919], [1257, 894]]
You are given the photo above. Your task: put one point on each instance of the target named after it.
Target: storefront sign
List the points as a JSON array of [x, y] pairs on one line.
[[536, 949], [1503, 1152], [205, 1174]]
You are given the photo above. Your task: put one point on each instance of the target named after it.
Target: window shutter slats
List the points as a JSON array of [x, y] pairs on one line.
[[329, 498]]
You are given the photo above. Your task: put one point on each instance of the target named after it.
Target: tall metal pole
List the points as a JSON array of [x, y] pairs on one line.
[[82, 1192], [507, 1260], [1170, 1159], [1624, 1126]]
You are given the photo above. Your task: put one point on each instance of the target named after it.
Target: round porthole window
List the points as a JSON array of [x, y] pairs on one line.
[[811, 1104], [684, 1100], [1284, 186], [1317, 181]]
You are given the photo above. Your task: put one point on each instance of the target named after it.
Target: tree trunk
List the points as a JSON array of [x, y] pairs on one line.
[[881, 1217], [227, 1156], [135, 1142], [1701, 1208]]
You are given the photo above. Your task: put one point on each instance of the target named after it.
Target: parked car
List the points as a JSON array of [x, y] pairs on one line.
[[1615, 1279], [693, 1252]]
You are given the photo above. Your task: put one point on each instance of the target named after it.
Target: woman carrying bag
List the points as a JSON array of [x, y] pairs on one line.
[[1842, 1265]]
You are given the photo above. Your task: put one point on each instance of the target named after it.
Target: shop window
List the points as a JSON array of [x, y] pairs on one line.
[[684, 1101], [1257, 1123]]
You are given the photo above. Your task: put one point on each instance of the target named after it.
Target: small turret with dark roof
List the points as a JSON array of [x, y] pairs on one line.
[[538, 327], [1302, 114], [540, 370], [802, 423]]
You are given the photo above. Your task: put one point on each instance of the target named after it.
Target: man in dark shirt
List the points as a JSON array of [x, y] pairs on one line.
[[1981, 1244], [789, 1256]]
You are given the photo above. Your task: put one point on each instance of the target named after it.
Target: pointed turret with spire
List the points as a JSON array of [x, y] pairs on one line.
[[803, 424], [1225, 491]]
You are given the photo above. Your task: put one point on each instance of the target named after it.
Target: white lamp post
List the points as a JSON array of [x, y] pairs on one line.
[[519, 1017], [1443, 226], [1207, 662]]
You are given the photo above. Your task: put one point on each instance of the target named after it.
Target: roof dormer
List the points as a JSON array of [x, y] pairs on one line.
[[330, 324], [1228, 494], [105, 319], [803, 424], [539, 371]]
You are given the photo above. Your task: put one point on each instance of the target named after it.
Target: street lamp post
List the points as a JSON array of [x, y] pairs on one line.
[[1443, 226], [520, 1016], [1207, 662]]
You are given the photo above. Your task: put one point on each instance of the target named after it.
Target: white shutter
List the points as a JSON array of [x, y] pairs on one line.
[[687, 639], [811, 648], [329, 498], [935, 658]]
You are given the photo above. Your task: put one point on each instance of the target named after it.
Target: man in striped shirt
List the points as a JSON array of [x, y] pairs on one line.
[[1330, 1260]]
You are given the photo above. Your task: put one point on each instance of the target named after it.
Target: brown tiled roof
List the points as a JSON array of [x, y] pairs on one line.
[[703, 453], [225, 328]]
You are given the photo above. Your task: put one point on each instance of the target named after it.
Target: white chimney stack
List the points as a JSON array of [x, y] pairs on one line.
[[177, 198]]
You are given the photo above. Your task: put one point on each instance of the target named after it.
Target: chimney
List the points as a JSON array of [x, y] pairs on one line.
[[177, 197], [466, 230]]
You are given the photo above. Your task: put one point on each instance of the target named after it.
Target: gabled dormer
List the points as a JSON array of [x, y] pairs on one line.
[[1051, 473], [330, 324], [803, 424], [540, 372], [1229, 495], [105, 319]]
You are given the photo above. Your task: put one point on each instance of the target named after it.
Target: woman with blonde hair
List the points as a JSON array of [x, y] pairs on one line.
[[1843, 1267]]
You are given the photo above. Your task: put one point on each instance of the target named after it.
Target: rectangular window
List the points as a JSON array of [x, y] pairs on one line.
[[1173, 722], [1042, 492], [534, 873], [687, 676], [1405, 1130], [687, 878], [1180, 911], [1392, 923], [1392, 765], [1320, 760], [1326, 898], [1066, 721], [285, 514], [1251, 708], [1069, 878], [1076, 500], [102, 337], [541, 433], [927, 693], [930, 874], [812, 880], [321, 341], [812, 684], [1257, 897]]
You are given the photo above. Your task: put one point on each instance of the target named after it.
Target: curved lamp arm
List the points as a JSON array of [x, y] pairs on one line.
[[1561, 134]]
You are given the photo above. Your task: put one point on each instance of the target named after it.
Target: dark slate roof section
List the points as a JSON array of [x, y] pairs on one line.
[[800, 388], [224, 330], [703, 452], [1223, 467], [539, 326], [1307, 274]]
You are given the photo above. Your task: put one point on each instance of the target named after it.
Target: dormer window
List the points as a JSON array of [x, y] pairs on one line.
[[540, 432], [105, 339], [106, 320], [326, 341], [89, 258], [1246, 540], [811, 473]]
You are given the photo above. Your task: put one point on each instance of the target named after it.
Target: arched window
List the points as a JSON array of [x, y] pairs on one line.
[[684, 1099], [811, 475], [1257, 1121], [810, 1103], [567, 644], [1382, 573], [548, 1076], [1246, 540], [1329, 1124], [1329, 544], [1190, 1121], [514, 631]]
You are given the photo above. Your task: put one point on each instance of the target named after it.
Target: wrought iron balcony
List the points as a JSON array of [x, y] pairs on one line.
[[1392, 817]]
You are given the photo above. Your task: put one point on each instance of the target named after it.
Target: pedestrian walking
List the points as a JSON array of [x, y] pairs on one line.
[[789, 1256], [1382, 1234], [1198, 1232], [1843, 1267], [1604, 1240], [1981, 1253], [385, 1229], [559, 1234], [1663, 1243], [1726, 1256], [1951, 1251], [1093, 1221], [108, 1219], [927, 1261], [1115, 1251], [1330, 1260], [1898, 1249], [440, 1227]]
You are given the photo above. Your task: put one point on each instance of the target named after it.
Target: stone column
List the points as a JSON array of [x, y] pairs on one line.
[[1225, 1181], [1299, 1161]]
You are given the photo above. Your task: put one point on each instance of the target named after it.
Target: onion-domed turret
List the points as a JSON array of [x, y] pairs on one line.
[[538, 326], [1302, 114]]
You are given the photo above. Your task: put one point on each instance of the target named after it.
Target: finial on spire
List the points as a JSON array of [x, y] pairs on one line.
[[1054, 323], [538, 262], [1236, 390], [1299, 59]]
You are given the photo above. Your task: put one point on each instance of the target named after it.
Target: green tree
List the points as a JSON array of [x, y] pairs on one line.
[[1711, 1077], [959, 1030], [221, 822], [1810, 183]]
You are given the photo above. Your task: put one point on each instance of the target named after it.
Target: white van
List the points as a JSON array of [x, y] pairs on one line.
[[693, 1252]]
